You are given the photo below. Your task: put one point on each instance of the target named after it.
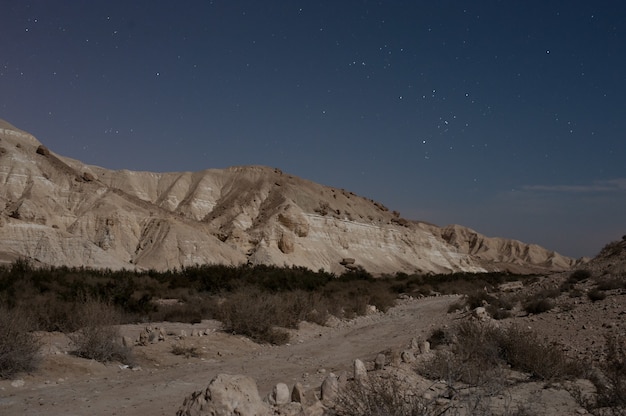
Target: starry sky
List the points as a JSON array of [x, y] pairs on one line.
[[504, 116]]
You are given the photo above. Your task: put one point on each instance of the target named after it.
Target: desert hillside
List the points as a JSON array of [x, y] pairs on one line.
[[59, 211]]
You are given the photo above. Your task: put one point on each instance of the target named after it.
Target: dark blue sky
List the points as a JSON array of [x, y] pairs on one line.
[[504, 116]]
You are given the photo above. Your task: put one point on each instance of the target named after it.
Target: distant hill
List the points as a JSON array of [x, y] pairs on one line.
[[59, 211]]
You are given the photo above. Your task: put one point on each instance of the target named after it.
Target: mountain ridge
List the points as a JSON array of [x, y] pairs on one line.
[[59, 211]]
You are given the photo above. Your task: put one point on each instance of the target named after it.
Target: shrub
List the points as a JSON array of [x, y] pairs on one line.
[[381, 397], [479, 351], [256, 314], [98, 337], [611, 284], [579, 275], [523, 350], [18, 346], [612, 391], [186, 350], [537, 306], [596, 295]]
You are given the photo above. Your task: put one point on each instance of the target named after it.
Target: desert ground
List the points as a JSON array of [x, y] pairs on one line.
[[157, 386], [160, 380]]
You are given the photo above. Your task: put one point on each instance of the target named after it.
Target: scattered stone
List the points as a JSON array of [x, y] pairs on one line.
[[127, 342], [396, 359], [379, 364], [414, 345], [408, 357], [143, 339], [297, 393], [481, 313], [280, 394], [18, 383], [330, 387]]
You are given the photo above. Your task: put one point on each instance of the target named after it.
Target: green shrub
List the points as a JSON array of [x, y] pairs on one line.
[[18, 346]]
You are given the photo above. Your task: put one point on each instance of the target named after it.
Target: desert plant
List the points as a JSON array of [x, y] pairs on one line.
[[255, 314], [579, 275], [612, 392], [478, 351], [18, 346], [98, 337], [536, 306], [186, 350], [523, 350], [381, 397], [596, 294]]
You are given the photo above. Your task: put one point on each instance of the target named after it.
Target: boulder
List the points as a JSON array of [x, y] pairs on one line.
[[226, 395], [330, 387], [360, 372], [379, 364], [280, 394]]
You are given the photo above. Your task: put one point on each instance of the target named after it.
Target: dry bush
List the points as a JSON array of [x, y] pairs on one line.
[[579, 275], [479, 351], [381, 397], [256, 314], [596, 294], [537, 306], [99, 337], [612, 390], [18, 346], [186, 350], [523, 350]]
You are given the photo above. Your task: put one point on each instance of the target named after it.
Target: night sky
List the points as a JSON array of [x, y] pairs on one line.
[[508, 117]]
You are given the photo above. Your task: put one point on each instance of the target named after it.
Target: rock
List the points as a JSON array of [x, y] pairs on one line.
[[396, 359], [226, 395], [360, 372], [414, 344], [379, 364], [481, 313], [183, 334], [330, 387], [424, 347], [42, 150], [280, 394], [297, 393], [195, 333], [408, 357], [17, 383], [127, 342], [143, 339]]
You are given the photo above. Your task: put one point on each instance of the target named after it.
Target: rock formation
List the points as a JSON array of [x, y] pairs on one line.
[[59, 211]]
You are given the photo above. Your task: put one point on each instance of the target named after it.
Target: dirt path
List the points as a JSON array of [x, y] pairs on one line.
[[70, 386]]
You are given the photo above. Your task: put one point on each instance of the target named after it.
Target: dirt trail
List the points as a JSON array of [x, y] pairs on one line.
[[70, 386]]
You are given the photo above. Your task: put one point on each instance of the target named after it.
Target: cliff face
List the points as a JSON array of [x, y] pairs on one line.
[[59, 211]]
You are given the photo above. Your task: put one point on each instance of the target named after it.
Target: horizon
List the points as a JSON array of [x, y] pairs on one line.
[[503, 117]]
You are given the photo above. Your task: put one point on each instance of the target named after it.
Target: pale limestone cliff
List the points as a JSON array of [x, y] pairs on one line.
[[59, 211]]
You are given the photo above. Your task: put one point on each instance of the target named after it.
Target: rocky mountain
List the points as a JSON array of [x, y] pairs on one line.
[[59, 211]]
